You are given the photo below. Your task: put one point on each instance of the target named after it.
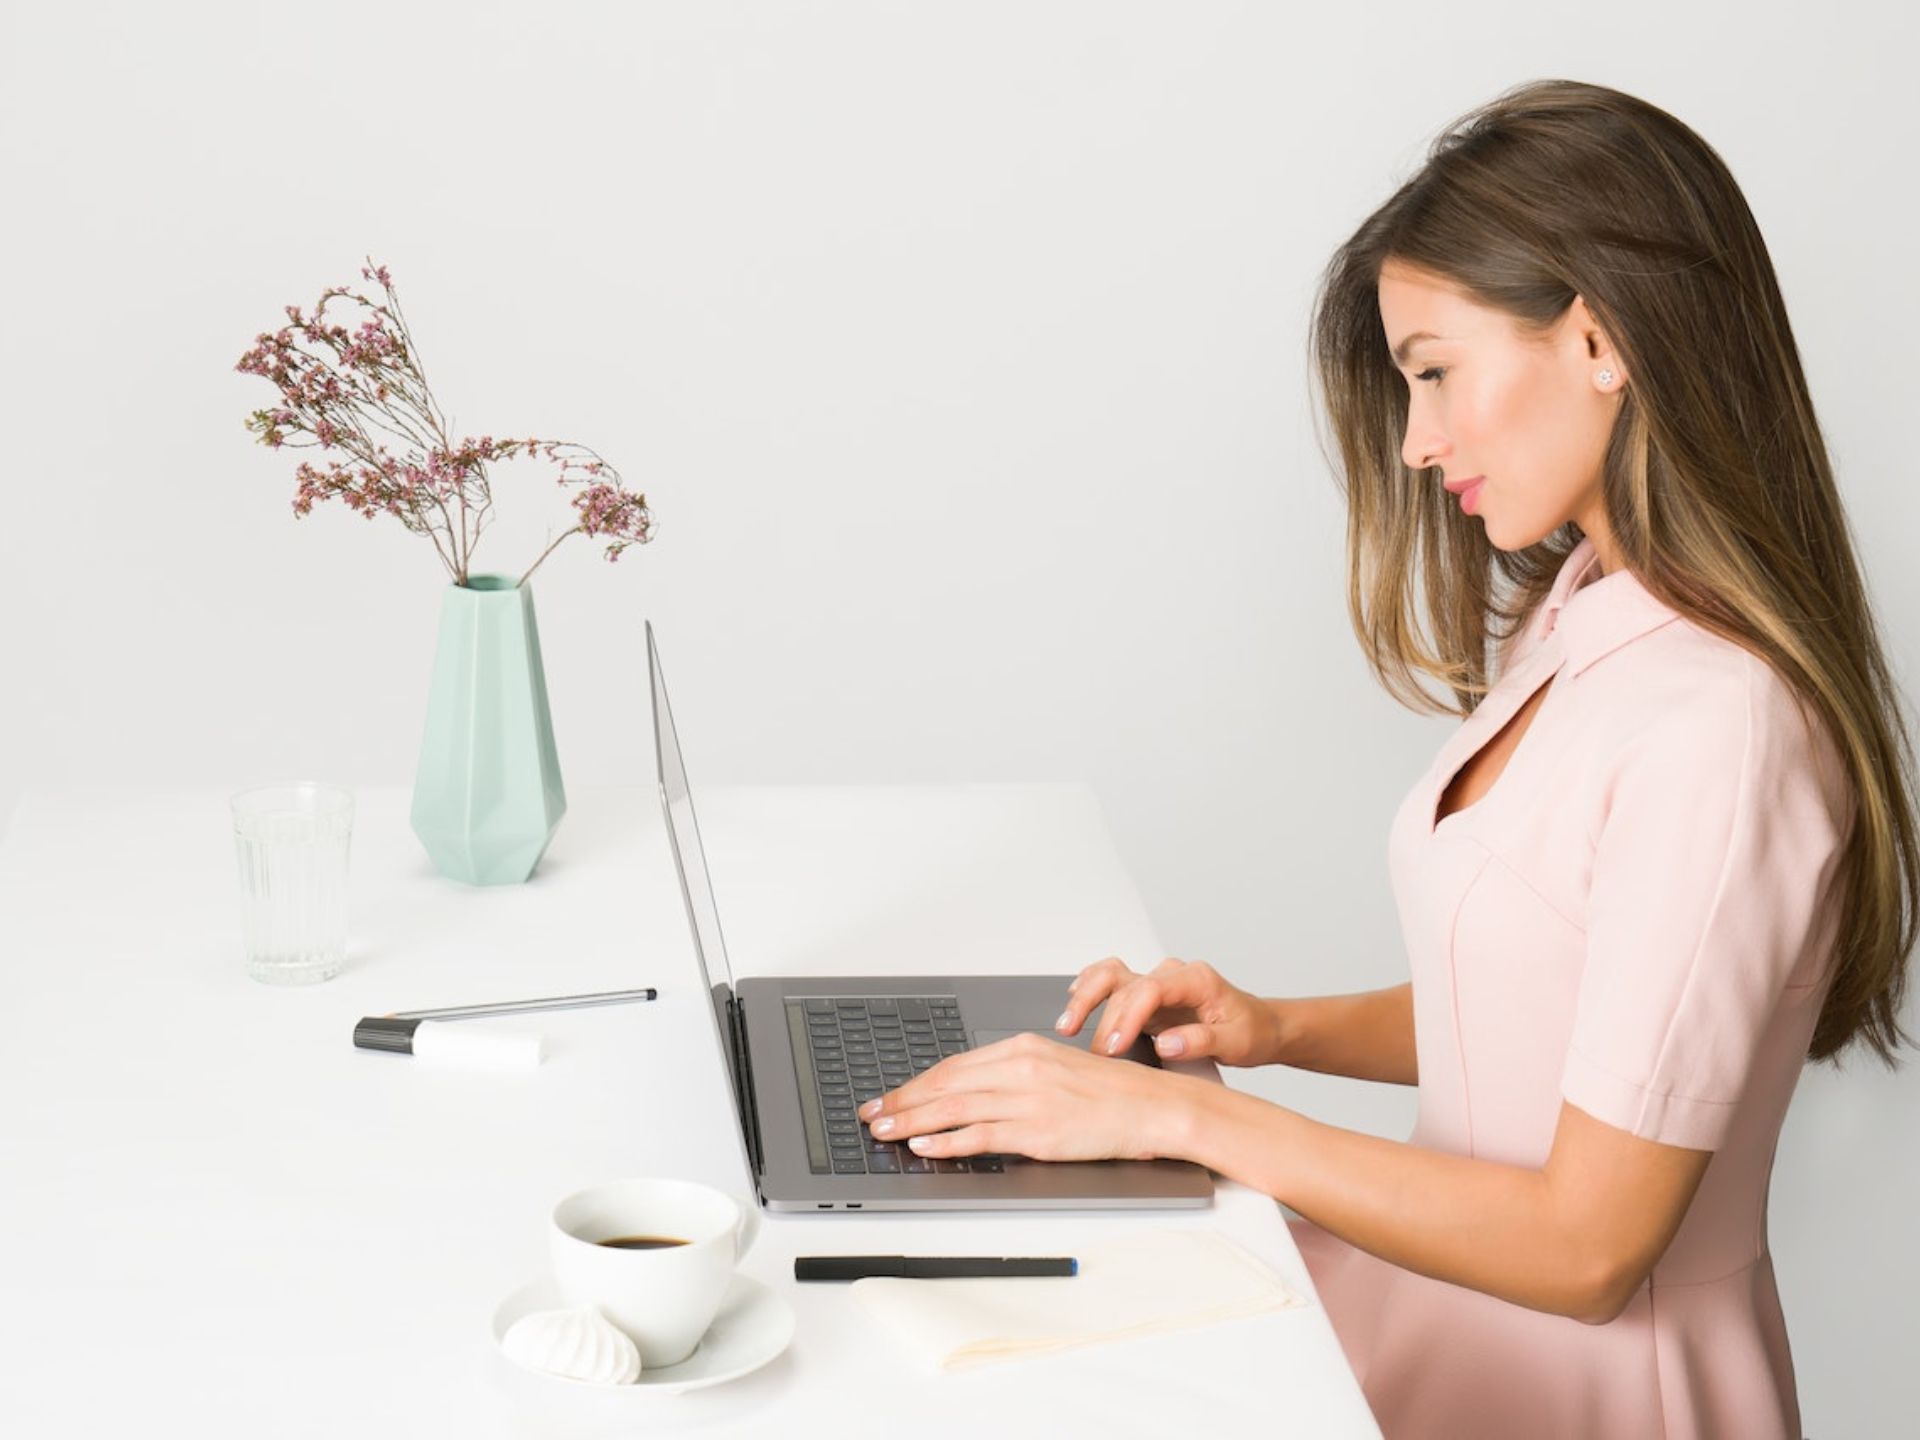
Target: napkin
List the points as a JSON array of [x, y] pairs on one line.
[[1135, 1284]]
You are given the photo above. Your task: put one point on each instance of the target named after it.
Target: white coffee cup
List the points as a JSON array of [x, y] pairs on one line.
[[664, 1298]]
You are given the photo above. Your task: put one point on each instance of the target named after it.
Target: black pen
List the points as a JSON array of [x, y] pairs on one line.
[[929, 1267]]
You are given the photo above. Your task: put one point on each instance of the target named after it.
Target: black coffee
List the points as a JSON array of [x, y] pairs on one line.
[[640, 1242]]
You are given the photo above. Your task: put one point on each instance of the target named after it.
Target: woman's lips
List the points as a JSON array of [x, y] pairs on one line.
[[1469, 492]]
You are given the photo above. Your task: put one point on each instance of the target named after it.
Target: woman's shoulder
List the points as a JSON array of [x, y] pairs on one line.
[[1682, 677], [1694, 703]]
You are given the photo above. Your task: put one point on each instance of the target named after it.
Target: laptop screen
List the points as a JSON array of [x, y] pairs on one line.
[[684, 831]]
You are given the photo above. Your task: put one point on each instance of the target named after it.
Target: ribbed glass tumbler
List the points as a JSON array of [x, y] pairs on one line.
[[291, 842]]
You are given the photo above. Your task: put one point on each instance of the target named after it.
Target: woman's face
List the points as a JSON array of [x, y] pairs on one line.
[[1529, 417]]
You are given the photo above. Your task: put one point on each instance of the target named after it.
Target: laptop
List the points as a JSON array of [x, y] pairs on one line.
[[803, 1053]]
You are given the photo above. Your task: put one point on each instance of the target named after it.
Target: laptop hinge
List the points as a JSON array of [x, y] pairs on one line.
[[734, 1023]]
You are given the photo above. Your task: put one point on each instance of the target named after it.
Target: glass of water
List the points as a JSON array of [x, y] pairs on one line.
[[291, 842]]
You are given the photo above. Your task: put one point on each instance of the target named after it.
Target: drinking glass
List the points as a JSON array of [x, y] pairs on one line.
[[291, 842]]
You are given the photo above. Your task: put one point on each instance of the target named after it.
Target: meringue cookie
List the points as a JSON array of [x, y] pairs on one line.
[[578, 1344]]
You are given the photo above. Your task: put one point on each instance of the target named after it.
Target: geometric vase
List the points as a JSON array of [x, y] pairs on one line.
[[487, 795]]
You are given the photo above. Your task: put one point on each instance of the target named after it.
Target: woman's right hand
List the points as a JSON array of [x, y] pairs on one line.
[[1186, 1005]]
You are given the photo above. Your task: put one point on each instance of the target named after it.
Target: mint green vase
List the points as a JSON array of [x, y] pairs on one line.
[[487, 795]]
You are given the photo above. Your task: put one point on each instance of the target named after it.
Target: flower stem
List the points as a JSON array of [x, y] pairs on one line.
[[546, 552]]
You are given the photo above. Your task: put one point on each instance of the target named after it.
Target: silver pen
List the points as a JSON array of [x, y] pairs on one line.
[[394, 1031], [514, 1007]]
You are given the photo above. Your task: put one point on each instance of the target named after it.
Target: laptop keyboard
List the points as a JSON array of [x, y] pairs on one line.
[[861, 1046]]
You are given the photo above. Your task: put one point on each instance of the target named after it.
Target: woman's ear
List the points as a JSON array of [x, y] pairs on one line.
[[1601, 358]]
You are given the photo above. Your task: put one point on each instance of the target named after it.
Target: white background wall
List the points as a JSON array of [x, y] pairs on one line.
[[960, 350]]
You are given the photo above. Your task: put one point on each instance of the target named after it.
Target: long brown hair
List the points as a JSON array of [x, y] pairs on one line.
[[1717, 485]]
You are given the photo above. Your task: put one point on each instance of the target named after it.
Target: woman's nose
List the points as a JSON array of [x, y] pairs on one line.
[[1422, 445]]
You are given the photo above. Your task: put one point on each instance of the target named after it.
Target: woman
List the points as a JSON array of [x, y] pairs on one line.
[[1697, 874]]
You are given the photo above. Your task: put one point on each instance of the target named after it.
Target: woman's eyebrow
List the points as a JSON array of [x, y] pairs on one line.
[[1400, 350]]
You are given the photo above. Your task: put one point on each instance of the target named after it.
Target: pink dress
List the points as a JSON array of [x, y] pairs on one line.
[[1637, 918]]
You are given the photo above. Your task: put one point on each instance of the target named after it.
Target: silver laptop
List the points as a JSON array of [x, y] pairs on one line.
[[804, 1053]]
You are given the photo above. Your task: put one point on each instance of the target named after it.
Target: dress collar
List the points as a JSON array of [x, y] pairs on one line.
[[1596, 616]]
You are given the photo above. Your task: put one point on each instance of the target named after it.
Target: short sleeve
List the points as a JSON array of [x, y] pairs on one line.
[[1719, 843]]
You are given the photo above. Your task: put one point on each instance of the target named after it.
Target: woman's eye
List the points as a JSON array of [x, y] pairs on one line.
[[1432, 373]]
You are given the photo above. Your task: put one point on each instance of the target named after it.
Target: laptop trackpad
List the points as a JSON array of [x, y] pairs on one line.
[[1141, 1049]]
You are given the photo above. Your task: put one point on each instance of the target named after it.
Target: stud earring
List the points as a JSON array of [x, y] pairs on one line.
[[1604, 379]]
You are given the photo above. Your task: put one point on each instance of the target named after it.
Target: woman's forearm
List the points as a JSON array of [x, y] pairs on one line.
[[1478, 1223], [1367, 1036]]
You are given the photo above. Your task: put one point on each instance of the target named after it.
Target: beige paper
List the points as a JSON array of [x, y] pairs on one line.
[[1139, 1284]]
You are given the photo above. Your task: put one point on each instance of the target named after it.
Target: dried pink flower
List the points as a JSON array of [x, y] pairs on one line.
[[436, 487]]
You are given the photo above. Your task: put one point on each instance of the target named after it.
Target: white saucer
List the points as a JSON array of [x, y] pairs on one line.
[[753, 1326]]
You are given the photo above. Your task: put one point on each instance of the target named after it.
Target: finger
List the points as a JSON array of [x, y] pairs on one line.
[[1092, 986], [983, 1139], [1175, 989], [1129, 1010], [1131, 1022], [927, 1086], [1074, 983], [1111, 966], [1183, 990], [1169, 985], [1132, 1007], [1184, 1042], [945, 1113], [953, 1109], [937, 1079]]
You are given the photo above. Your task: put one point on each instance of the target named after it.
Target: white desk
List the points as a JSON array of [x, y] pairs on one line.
[[219, 1218]]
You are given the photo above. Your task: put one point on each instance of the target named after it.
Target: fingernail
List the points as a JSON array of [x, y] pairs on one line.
[[883, 1127], [870, 1109], [1061, 1023], [1172, 1045], [1113, 1042], [916, 1142]]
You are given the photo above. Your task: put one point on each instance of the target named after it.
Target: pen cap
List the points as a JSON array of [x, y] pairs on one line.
[[385, 1032], [440, 1043]]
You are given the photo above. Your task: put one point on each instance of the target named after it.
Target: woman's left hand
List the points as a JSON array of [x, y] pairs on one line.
[[1028, 1095]]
